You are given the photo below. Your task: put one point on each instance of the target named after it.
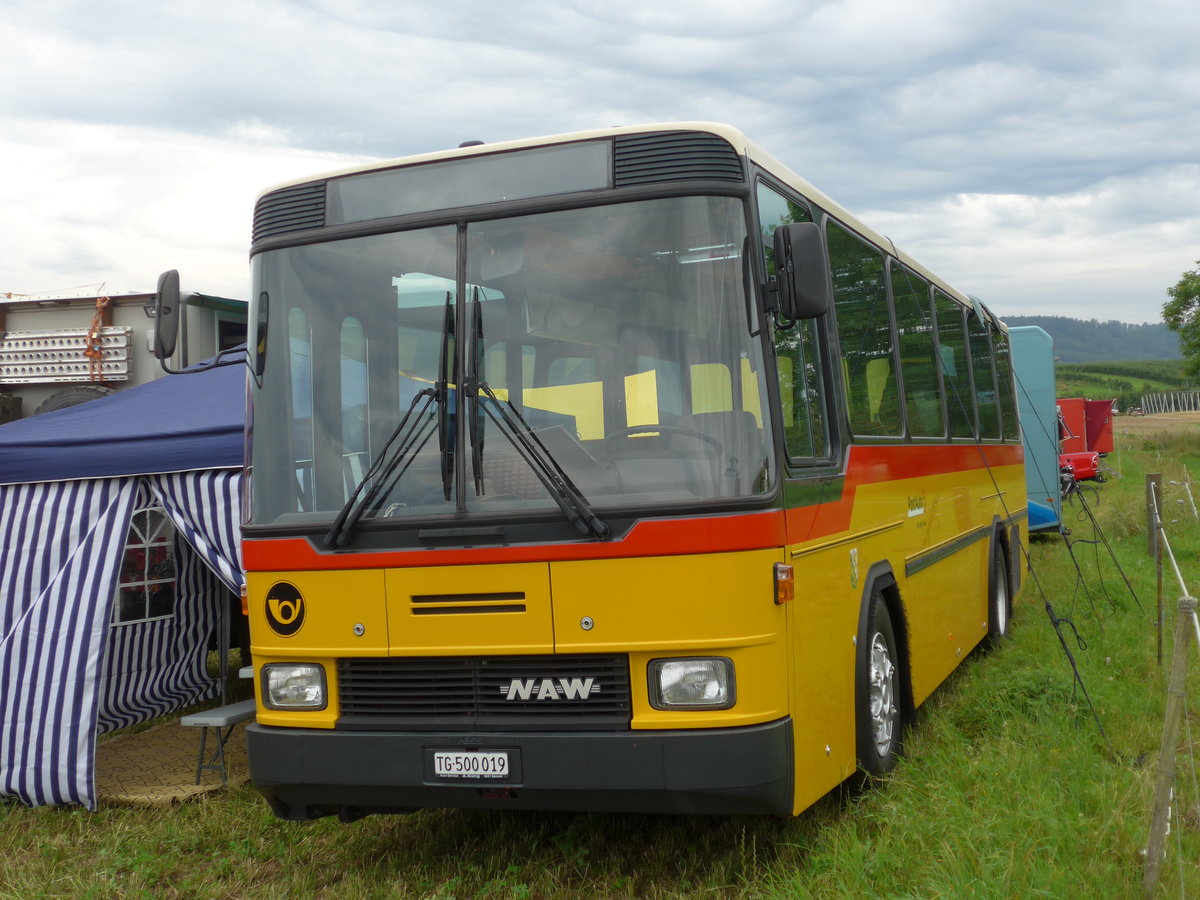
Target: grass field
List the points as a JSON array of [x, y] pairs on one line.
[[1013, 785]]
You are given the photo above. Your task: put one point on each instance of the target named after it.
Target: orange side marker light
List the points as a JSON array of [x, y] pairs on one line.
[[785, 583]]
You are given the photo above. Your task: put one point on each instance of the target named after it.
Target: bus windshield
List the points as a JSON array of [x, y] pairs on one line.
[[618, 341]]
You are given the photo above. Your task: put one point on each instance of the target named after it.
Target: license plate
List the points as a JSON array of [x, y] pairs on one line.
[[471, 765]]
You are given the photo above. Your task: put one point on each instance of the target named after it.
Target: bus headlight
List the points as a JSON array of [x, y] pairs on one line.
[[696, 683], [293, 686]]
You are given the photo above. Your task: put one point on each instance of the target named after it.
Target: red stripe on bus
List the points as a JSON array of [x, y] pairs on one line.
[[880, 464], [653, 537], [665, 537], [870, 465]]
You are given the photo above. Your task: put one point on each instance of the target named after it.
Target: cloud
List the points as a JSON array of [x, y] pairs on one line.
[[117, 205], [1107, 252], [935, 115]]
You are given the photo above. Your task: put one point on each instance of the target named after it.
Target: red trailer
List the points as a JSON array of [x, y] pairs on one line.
[[1098, 419], [1073, 425]]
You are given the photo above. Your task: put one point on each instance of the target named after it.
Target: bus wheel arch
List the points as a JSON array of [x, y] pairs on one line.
[[882, 675]]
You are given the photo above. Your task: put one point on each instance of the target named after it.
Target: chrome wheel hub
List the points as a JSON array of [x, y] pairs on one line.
[[1001, 603], [882, 690]]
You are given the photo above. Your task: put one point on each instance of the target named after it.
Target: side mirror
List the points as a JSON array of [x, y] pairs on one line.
[[167, 304], [802, 272], [166, 315]]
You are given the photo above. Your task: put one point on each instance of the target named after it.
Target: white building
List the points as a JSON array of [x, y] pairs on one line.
[[59, 351]]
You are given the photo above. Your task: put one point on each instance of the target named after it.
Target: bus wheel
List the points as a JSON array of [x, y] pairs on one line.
[[878, 719], [999, 601]]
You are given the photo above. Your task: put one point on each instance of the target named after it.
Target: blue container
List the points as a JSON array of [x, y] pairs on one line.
[[1033, 363]]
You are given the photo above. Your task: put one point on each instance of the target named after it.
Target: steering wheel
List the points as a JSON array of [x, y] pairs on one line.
[[629, 430]]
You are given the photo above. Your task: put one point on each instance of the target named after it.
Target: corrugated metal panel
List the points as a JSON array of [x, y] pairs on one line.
[[57, 355]]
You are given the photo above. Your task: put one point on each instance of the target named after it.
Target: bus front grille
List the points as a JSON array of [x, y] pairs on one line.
[[469, 693]]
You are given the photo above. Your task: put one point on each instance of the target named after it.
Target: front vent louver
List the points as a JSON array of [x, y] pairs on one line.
[[291, 209], [674, 156], [467, 604]]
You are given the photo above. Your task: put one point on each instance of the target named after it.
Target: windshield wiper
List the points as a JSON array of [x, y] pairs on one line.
[[473, 379], [410, 435], [443, 417], [523, 438], [553, 477], [415, 428]]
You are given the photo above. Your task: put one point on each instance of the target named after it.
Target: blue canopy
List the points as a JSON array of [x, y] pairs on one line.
[[177, 423], [70, 483]]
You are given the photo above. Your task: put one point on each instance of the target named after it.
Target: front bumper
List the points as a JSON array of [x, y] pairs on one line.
[[307, 773]]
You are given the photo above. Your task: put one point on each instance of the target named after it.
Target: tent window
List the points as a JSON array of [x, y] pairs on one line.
[[146, 589]]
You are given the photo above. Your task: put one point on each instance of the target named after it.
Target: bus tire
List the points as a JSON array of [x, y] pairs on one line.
[[72, 396], [878, 707], [999, 600]]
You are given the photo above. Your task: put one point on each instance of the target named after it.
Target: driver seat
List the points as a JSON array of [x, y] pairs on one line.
[[742, 455]]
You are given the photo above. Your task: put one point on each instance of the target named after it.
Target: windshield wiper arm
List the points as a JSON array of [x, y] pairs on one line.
[[523, 438], [442, 387], [553, 477], [474, 378], [410, 435]]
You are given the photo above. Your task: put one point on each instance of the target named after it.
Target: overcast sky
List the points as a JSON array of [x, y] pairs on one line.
[[1042, 155]]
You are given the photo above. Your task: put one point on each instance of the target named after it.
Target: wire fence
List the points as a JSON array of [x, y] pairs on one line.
[[1170, 402], [1168, 797]]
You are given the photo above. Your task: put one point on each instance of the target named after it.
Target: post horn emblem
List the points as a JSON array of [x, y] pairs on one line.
[[284, 608]]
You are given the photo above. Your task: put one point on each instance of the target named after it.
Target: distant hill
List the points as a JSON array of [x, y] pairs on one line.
[[1077, 340]]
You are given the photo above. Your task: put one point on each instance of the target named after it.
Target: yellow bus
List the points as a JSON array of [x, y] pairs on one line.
[[619, 470]]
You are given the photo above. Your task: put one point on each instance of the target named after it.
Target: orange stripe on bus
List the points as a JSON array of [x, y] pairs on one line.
[[666, 537]]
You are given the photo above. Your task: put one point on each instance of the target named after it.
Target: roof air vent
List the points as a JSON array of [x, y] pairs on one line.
[[667, 156], [290, 209]]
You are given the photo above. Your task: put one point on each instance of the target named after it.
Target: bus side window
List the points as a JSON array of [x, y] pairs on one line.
[[865, 334], [801, 389], [986, 399], [918, 356], [797, 357], [1004, 382], [774, 210], [952, 344], [300, 375]]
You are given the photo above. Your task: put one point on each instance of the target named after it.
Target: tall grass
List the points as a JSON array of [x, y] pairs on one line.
[[1013, 786]]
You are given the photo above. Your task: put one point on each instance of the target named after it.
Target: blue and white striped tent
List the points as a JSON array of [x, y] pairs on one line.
[[70, 482]]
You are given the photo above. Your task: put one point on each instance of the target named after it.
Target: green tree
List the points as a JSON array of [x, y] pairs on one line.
[[1182, 315]]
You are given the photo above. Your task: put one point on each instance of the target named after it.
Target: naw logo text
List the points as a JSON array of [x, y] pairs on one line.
[[550, 689]]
